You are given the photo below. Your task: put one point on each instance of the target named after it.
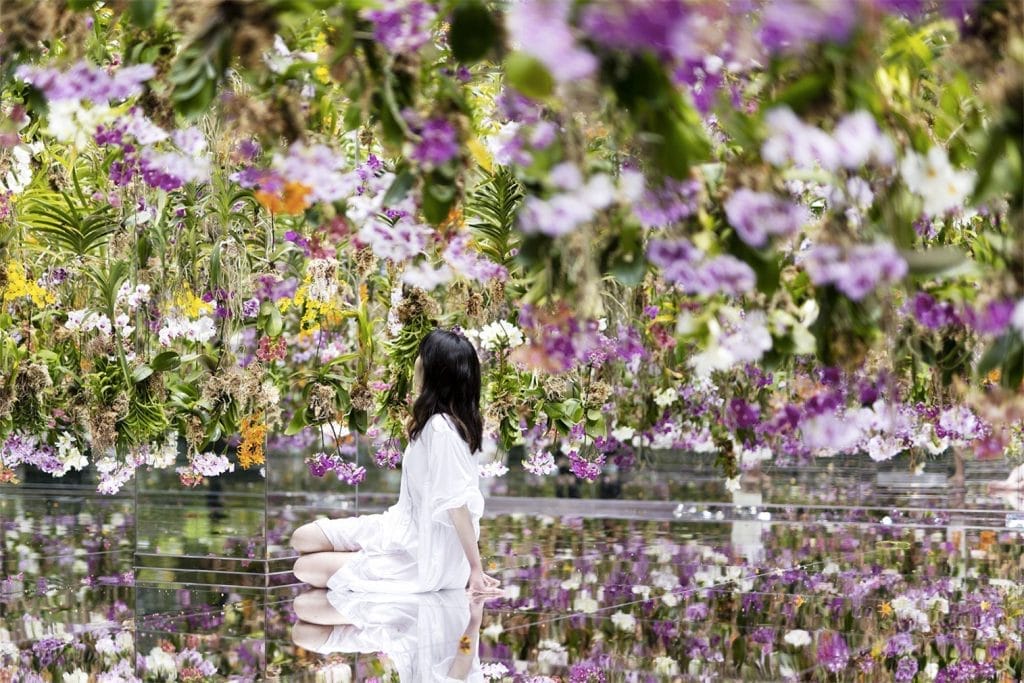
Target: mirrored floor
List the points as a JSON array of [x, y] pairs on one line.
[[913, 584]]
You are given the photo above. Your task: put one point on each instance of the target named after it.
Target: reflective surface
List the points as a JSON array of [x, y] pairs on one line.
[[863, 578]]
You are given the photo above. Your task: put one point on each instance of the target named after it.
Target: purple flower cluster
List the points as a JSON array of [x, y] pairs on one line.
[[855, 141], [321, 463], [20, 448], [563, 340], [934, 314], [906, 670], [670, 203], [658, 27], [833, 652], [401, 240], [318, 167], [541, 29], [857, 273], [387, 457], [756, 215], [402, 26], [684, 264], [84, 81], [470, 263], [439, 143], [165, 170], [790, 25], [992, 318], [588, 470], [966, 670], [586, 672]]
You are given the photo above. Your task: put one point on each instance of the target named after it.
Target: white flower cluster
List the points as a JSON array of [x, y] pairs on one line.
[[798, 638], [936, 181], [493, 469], [19, 175], [541, 463], [323, 284], [666, 397], [161, 664], [69, 121], [133, 297], [200, 330], [83, 320], [493, 670], [500, 334], [69, 454], [624, 622], [742, 339], [916, 611], [578, 201]]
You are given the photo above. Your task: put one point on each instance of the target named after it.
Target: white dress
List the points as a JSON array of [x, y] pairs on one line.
[[412, 547]]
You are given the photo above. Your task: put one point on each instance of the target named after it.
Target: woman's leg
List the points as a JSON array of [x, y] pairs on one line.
[[310, 637], [313, 607], [310, 538], [316, 568]]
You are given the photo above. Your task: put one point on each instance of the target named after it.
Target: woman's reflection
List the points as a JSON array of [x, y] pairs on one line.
[[427, 636]]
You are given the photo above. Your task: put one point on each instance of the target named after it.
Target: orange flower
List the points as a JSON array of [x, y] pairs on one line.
[[292, 201], [250, 451]]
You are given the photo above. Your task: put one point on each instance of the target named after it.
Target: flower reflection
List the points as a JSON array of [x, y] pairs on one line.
[[426, 636]]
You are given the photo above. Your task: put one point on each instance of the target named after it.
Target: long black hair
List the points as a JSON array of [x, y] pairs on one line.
[[451, 385]]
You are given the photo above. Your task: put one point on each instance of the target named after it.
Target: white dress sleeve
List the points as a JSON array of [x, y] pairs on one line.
[[454, 479]]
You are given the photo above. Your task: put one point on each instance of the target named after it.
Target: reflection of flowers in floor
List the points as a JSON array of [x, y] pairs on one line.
[[586, 600]]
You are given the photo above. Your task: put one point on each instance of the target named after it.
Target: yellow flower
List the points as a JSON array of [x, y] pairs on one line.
[[250, 451], [190, 304], [18, 286], [465, 645], [322, 74], [886, 609], [799, 600], [985, 605]]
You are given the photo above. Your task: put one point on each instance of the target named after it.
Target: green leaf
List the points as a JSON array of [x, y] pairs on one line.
[[529, 76], [358, 421], [142, 12], [809, 90], [141, 372], [297, 423], [473, 31], [399, 188], [274, 324], [438, 198], [215, 264], [1013, 366], [168, 360], [933, 261]]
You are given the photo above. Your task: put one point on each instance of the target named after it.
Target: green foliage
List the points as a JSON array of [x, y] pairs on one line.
[[492, 210], [69, 223]]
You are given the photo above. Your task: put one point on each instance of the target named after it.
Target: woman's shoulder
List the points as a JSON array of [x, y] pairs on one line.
[[440, 422]]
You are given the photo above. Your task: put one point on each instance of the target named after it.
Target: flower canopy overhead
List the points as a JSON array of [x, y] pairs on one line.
[[764, 228]]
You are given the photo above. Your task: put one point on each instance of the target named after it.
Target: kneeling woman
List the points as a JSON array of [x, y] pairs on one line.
[[427, 541]]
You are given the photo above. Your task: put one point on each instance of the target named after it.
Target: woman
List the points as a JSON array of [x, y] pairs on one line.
[[428, 540]]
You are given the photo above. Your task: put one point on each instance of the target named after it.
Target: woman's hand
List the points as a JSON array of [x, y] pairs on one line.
[[482, 584]]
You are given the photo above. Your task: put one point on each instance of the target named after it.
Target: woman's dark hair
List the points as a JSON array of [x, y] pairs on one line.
[[451, 385]]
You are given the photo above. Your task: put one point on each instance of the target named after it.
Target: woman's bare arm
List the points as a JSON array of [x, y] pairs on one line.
[[478, 581]]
